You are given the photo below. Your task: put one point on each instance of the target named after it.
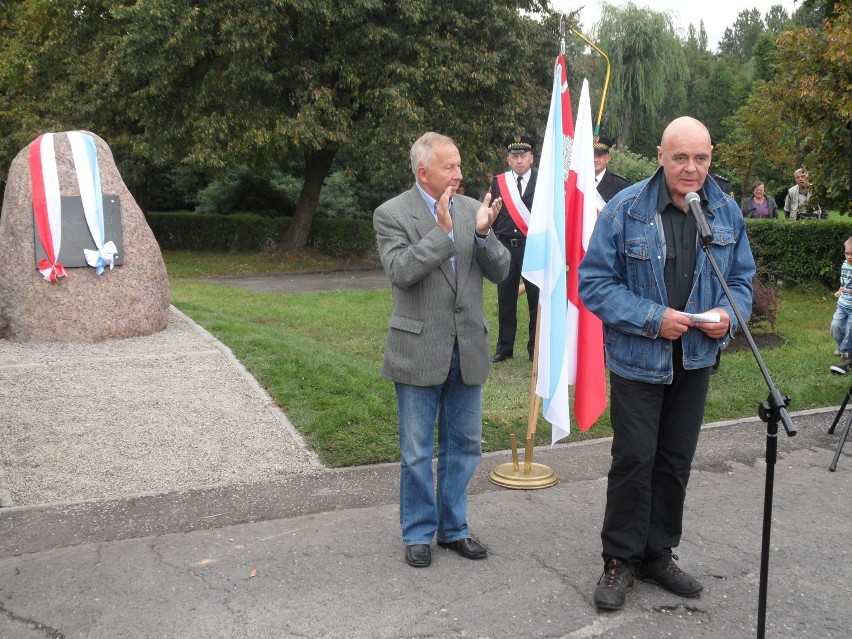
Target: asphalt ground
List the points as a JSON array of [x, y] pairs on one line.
[[313, 552]]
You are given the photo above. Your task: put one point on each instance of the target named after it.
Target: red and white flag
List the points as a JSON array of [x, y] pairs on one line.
[[544, 259], [585, 334], [570, 338]]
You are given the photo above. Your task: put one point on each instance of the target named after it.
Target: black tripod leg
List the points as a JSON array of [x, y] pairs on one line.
[[840, 412], [842, 441]]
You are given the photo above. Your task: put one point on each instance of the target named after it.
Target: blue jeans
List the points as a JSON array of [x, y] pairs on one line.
[[841, 329], [424, 514]]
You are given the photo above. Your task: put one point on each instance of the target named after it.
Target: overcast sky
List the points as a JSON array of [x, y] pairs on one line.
[[717, 14]]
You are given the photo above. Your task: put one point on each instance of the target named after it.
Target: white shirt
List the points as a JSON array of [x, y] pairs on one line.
[[525, 180]]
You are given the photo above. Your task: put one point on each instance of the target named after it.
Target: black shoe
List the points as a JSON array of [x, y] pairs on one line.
[[664, 571], [613, 586], [842, 367], [466, 547], [418, 555], [499, 357]]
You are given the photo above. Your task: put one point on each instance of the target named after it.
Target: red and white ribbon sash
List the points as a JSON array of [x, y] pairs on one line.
[[47, 205], [47, 202], [513, 203]]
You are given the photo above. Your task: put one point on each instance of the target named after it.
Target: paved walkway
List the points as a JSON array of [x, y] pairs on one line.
[[217, 538], [361, 279]]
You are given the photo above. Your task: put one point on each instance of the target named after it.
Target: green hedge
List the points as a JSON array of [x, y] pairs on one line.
[[246, 232], [791, 251], [799, 251]]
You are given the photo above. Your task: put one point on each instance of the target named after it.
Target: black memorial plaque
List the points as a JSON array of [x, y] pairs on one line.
[[76, 235]]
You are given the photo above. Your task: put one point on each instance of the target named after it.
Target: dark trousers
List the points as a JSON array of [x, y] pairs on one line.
[[655, 434], [507, 305]]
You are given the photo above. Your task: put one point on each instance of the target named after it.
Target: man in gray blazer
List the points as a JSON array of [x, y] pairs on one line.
[[436, 247]]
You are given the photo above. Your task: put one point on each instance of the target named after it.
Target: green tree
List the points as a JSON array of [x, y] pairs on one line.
[[738, 41], [812, 13], [696, 40], [258, 82], [229, 82], [715, 88], [755, 146], [777, 19], [763, 67], [53, 76], [647, 63], [799, 118], [814, 85]]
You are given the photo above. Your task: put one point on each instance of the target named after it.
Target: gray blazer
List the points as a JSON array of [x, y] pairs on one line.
[[433, 307]]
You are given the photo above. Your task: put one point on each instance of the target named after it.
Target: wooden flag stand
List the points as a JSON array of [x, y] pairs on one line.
[[532, 476]]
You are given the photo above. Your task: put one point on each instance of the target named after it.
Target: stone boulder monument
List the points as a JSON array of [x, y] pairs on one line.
[[78, 261]]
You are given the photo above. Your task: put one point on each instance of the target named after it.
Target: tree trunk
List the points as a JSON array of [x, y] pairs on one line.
[[317, 167], [141, 193], [624, 132]]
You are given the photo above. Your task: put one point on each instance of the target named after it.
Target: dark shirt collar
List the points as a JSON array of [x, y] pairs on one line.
[[664, 198]]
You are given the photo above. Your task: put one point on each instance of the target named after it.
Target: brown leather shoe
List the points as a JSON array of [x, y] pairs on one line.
[[418, 555], [466, 547]]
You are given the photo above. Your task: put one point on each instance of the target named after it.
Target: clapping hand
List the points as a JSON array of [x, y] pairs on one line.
[[487, 213]]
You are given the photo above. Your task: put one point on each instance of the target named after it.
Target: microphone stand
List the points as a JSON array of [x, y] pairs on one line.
[[773, 410]]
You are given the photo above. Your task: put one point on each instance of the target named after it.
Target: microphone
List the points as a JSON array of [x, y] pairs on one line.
[[694, 203]]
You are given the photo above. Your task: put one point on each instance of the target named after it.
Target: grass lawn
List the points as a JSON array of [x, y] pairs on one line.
[[319, 355]]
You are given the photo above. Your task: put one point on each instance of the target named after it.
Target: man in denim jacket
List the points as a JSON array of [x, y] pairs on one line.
[[643, 270]]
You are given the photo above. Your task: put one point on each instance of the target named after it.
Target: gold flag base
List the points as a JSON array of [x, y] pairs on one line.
[[508, 476], [532, 476]]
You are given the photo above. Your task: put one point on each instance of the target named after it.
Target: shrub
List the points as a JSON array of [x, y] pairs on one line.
[[797, 252], [765, 302], [633, 166], [247, 232]]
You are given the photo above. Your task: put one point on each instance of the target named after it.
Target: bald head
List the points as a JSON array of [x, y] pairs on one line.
[[684, 153], [685, 126]]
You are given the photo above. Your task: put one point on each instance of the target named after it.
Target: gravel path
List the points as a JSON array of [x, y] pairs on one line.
[[168, 412]]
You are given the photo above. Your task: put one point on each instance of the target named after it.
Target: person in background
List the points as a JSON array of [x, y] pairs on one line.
[[723, 182], [516, 189], [608, 183], [487, 178], [798, 195], [660, 358], [437, 247], [758, 206], [841, 322]]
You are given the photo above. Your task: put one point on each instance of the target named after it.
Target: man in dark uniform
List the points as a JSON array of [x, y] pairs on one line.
[[517, 188], [608, 183], [723, 182]]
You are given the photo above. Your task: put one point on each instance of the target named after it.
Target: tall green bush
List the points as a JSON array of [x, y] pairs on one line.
[[633, 166], [249, 232], [795, 252]]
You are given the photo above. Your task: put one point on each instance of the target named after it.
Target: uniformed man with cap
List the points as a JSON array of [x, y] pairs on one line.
[[723, 182], [517, 188], [608, 183]]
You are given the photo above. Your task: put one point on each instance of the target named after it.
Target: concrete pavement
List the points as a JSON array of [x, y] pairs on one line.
[[321, 556]]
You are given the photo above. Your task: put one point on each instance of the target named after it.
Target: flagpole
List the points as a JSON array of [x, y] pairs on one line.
[[544, 265], [535, 402], [533, 476], [606, 80]]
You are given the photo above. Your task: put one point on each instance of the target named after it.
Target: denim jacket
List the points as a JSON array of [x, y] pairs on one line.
[[622, 281]]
